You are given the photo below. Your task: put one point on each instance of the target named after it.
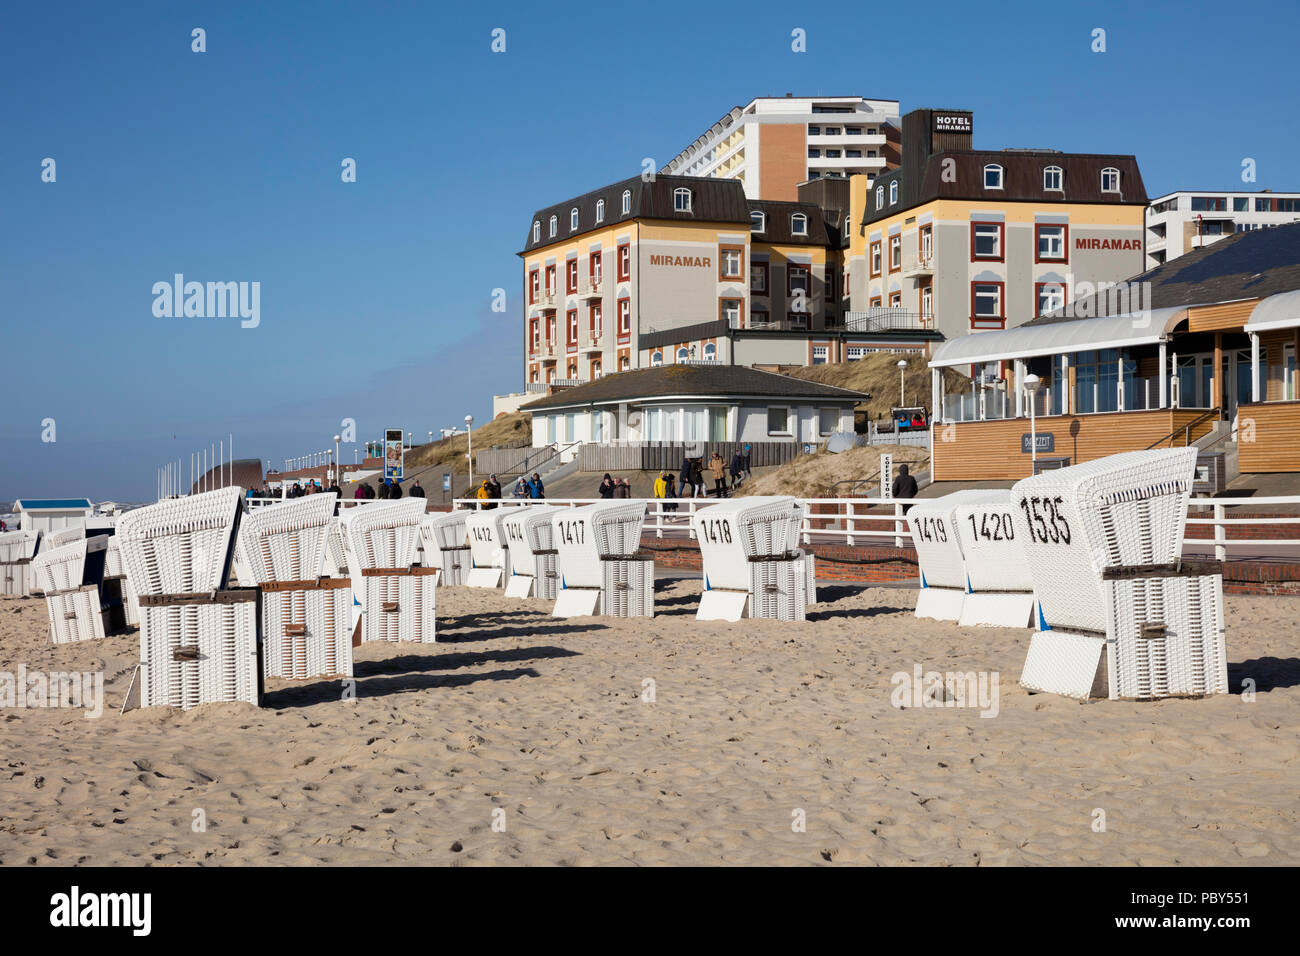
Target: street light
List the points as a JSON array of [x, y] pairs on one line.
[[1032, 383], [902, 397], [337, 462], [469, 448]]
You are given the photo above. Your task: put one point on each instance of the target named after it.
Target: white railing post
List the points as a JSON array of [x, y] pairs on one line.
[[848, 511], [898, 519], [1220, 533]]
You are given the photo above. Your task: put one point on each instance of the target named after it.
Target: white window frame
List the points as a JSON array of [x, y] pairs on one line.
[[683, 354], [997, 253], [1043, 230], [1055, 291], [798, 224], [976, 297], [656, 359], [835, 420], [1053, 173], [554, 225], [724, 257], [1110, 171], [600, 210], [678, 194], [880, 196], [627, 201], [537, 230], [573, 219], [758, 221], [789, 415], [893, 192], [710, 351], [987, 168], [895, 252], [624, 316]]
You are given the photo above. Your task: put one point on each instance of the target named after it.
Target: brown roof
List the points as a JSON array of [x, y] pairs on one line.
[[779, 217], [712, 200], [1022, 180], [247, 473]]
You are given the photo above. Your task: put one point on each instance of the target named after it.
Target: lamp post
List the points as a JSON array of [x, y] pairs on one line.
[[902, 396], [469, 446], [1032, 383], [337, 476]]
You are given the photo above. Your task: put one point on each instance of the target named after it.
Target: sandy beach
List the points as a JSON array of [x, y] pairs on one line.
[[524, 739]]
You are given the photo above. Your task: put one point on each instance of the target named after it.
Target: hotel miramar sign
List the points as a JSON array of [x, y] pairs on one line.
[[688, 262]]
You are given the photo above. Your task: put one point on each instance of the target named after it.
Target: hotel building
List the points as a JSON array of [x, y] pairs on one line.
[[958, 240], [772, 144], [681, 269], [1181, 221]]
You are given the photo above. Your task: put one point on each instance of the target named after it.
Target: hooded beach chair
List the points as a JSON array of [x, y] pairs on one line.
[[602, 569], [17, 549], [306, 615], [446, 546], [1104, 544], [397, 599], [199, 641], [489, 552], [751, 560], [937, 537], [71, 577], [529, 534], [999, 587]]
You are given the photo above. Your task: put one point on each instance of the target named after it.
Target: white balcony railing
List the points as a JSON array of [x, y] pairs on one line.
[[591, 287]]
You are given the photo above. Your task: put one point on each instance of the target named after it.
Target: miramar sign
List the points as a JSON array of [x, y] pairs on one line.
[[688, 262]]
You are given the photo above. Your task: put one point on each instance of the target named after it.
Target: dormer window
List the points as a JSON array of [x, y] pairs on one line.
[[627, 201], [681, 200], [573, 219], [537, 231], [600, 210], [1054, 179], [758, 220], [893, 192], [880, 196], [798, 224], [1110, 180], [992, 176], [554, 224]]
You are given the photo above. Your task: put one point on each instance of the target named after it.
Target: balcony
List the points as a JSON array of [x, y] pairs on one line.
[[887, 320], [591, 343], [591, 287], [919, 268], [546, 299], [543, 351]]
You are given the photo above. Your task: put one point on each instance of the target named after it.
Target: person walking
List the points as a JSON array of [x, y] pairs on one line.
[[737, 468], [384, 486], [416, 491], [360, 493], [670, 491], [718, 468], [904, 486], [697, 477], [484, 495], [684, 478], [521, 487], [536, 489], [606, 489], [661, 486], [621, 488], [395, 492]]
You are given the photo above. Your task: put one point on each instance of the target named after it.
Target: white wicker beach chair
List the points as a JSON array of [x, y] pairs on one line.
[[117, 586], [999, 587], [489, 552], [336, 557], [396, 600], [529, 535], [68, 535], [937, 538], [306, 616], [1104, 544], [446, 546], [17, 549], [751, 561], [71, 577], [601, 568]]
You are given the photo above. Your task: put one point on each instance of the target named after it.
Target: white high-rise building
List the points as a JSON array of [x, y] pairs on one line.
[[774, 143], [1179, 222]]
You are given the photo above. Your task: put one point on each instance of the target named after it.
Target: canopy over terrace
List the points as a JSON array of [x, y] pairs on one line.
[[1104, 376]]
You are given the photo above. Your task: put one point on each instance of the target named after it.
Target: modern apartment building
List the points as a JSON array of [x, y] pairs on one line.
[[772, 144], [959, 240], [1179, 222], [687, 269]]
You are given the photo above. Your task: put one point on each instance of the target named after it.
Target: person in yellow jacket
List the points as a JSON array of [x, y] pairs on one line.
[[483, 494], [661, 486]]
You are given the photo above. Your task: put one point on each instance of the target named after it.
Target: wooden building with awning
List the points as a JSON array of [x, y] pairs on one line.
[[1201, 350]]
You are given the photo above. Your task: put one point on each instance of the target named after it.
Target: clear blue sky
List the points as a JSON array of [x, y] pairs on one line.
[[375, 295]]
